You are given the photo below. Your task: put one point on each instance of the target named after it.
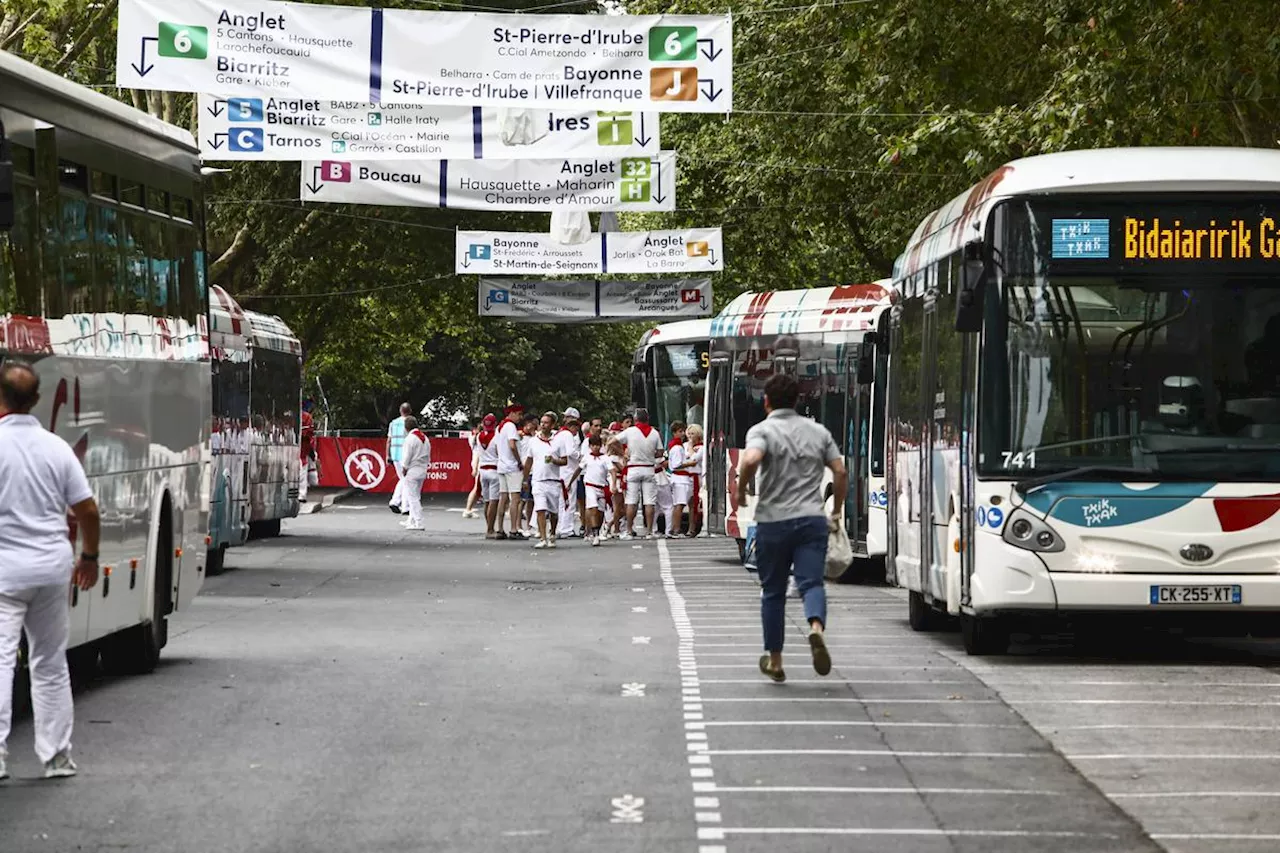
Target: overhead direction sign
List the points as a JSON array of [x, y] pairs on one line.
[[662, 63], [514, 253], [621, 183], [592, 301], [254, 127]]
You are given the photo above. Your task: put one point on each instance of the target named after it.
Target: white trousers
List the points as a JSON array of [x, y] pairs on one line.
[[412, 496], [397, 497], [568, 525], [302, 480], [46, 614], [665, 504]]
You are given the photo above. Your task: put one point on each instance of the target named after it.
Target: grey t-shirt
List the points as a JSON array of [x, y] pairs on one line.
[[796, 450]]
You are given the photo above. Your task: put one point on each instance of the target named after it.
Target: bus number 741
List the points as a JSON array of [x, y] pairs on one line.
[[1019, 460]]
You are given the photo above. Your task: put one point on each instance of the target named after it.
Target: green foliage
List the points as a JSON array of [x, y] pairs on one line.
[[852, 122]]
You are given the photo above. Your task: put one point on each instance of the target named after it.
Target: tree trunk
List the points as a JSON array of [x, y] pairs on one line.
[[238, 252], [11, 29], [87, 35]]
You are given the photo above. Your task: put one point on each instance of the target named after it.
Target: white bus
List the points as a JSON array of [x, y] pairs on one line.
[[102, 289], [823, 336], [669, 373], [1084, 415]]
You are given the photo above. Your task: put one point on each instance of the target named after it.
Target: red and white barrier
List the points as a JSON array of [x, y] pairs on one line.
[[362, 463]]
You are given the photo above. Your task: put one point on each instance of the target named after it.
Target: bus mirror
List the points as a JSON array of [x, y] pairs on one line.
[[6, 183], [972, 284]]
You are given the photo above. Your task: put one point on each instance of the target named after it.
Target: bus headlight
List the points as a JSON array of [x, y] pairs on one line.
[[1024, 530]]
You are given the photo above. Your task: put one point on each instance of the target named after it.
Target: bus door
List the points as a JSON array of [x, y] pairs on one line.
[[719, 433], [857, 458], [924, 498]]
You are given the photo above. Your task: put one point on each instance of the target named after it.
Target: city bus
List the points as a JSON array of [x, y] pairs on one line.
[[275, 411], [229, 352], [669, 373], [826, 337], [102, 290], [1084, 406]]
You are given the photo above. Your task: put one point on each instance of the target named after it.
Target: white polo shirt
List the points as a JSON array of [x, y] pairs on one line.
[[40, 477], [508, 462]]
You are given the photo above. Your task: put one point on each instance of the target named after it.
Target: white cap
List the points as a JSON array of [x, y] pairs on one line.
[[571, 412]]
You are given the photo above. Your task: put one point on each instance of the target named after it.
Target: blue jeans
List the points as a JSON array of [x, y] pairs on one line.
[[799, 546]]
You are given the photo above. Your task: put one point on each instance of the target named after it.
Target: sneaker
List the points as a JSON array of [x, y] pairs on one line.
[[414, 527], [4, 771], [624, 537], [595, 541], [59, 767], [541, 543], [395, 509], [551, 543]]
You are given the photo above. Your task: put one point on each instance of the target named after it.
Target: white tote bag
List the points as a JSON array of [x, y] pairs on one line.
[[839, 550]]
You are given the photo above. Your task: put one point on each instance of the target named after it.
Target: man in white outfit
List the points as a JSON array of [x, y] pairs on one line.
[[415, 461], [510, 470], [644, 446], [40, 477], [548, 495], [567, 444], [395, 444]]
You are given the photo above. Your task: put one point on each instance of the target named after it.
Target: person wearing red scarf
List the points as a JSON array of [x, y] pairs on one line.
[[415, 459], [569, 447], [644, 446], [490, 483], [662, 476]]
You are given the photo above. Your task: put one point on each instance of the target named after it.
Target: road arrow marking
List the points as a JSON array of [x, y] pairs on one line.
[[144, 69]]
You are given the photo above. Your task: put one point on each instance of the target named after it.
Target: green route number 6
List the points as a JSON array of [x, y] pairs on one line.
[[673, 44], [180, 41]]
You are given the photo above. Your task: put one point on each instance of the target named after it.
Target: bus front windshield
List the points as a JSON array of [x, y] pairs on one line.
[[1137, 336], [679, 373]]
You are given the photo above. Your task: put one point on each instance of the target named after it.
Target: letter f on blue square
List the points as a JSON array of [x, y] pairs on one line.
[[480, 251], [244, 109]]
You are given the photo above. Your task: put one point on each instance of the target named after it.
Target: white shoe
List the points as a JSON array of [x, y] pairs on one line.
[[595, 541], [4, 771], [624, 537], [541, 543], [551, 543], [414, 527], [59, 767]]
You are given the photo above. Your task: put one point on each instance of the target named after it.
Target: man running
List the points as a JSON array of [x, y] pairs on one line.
[[790, 452], [395, 443], [510, 469], [644, 445]]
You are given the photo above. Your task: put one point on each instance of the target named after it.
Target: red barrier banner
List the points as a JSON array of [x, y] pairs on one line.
[[362, 463]]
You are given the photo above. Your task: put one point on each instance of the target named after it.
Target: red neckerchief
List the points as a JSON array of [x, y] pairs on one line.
[[674, 442], [420, 435], [485, 436], [645, 429]]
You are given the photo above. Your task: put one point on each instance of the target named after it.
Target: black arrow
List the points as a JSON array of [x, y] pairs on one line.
[[466, 262], [316, 185], [657, 194], [711, 53], [713, 260], [642, 140], [216, 109], [218, 139], [144, 69], [713, 93], [703, 303]]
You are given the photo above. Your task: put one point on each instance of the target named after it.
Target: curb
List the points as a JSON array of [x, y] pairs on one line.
[[327, 501]]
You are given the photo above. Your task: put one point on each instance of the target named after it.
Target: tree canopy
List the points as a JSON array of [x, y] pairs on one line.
[[852, 120]]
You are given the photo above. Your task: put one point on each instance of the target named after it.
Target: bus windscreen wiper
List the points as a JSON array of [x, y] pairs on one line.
[[1022, 486]]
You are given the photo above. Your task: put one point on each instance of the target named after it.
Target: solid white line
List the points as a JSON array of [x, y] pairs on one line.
[[1208, 727], [1194, 702], [1241, 756], [1190, 794], [932, 832], [1211, 836], [867, 701], [859, 724], [904, 753], [818, 789], [1274, 685]]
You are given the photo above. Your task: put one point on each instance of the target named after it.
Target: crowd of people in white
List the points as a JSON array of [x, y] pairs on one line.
[[553, 477]]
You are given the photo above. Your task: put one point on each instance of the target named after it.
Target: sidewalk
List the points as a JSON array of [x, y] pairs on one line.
[[319, 498]]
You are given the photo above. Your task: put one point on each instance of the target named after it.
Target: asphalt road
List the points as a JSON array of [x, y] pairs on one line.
[[352, 686]]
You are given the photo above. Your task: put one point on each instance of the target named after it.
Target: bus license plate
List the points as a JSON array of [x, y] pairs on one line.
[[1207, 594]]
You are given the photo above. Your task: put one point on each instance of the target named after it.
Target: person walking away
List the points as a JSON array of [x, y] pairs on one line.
[[527, 430], [306, 450], [665, 504], [469, 511], [695, 459], [595, 477], [546, 465], [568, 446], [643, 444], [487, 465], [617, 487], [510, 469], [395, 444], [415, 459], [681, 482], [40, 477], [790, 452]]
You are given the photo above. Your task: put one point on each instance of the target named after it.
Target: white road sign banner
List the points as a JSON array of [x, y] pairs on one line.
[[623, 183], [672, 63], [531, 301], [253, 127], [516, 253], [662, 63]]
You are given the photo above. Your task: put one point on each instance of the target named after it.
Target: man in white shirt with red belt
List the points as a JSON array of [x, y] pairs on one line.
[[487, 465], [567, 444], [40, 477], [644, 447], [510, 470]]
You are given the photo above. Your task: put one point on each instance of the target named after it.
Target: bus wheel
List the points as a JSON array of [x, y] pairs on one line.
[[921, 615], [217, 561], [984, 635], [136, 650]]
